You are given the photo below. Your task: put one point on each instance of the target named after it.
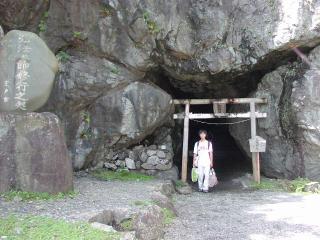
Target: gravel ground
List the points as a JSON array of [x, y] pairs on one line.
[[240, 215], [94, 196], [236, 215]]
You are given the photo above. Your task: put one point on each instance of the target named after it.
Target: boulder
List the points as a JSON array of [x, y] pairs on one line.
[[33, 154], [148, 223], [293, 142], [27, 71]]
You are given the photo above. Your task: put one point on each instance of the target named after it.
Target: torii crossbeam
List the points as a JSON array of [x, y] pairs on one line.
[[257, 144]]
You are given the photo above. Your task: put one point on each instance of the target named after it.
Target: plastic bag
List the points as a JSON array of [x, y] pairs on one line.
[[194, 174], [213, 181]]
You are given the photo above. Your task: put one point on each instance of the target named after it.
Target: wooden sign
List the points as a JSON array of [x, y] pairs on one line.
[[257, 144]]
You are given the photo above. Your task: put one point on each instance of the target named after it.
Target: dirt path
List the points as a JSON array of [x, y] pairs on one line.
[[241, 215]]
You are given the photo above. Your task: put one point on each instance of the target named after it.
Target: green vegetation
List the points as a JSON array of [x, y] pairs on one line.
[[42, 27], [30, 196], [296, 185], [126, 225], [87, 131], [152, 26], [144, 203], [45, 228], [268, 184], [169, 215], [62, 56], [120, 175], [115, 70], [78, 35], [106, 11], [180, 184]]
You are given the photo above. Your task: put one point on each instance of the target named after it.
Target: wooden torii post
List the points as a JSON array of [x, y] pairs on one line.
[[257, 144]]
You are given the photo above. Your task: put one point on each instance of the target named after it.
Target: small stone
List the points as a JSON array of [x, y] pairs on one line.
[[120, 163], [138, 164], [115, 157], [153, 147], [313, 187], [161, 154], [128, 235], [17, 199], [143, 156], [185, 190], [110, 166], [130, 163], [103, 227], [154, 160], [151, 152]]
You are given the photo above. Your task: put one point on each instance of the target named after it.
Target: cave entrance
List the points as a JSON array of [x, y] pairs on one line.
[[219, 111]]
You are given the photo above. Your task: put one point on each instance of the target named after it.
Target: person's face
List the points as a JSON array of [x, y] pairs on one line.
[[202, 135]]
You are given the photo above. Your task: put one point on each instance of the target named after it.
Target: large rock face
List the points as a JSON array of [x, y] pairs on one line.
[[216, 48], [27, 71], [291, 128], [117, 119], [33, 154]]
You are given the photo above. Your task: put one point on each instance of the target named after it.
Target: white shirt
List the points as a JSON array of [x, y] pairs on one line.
[[203, 152]]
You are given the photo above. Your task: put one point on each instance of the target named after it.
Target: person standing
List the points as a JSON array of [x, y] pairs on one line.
[[203, 159]]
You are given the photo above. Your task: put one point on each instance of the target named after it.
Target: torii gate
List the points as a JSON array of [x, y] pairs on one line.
[[257, 144]]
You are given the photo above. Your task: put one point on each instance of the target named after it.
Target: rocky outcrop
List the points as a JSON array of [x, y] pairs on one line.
[[27, 71], [120, 118], [216, 48], [291, 128], [33, 154], [26, 15]]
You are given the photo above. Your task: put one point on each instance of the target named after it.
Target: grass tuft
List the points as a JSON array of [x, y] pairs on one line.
[[169, 215], [45, 228], [30, 196], [126, 225], [296, 185], [120, 175]]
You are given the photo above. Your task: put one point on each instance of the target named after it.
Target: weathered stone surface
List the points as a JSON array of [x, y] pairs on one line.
[[33, 154], [185, 190], [163, 201], [199, 44], [126, 116], [1, 33], [171, 174], [148, 223], [130, 163], [110, 166], [166, 188], [26, 15], [27, 71], [293, 142]]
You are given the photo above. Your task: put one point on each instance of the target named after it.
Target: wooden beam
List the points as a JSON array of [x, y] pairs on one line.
[[221, 100], [226, 115], [184, 169], [255, 155]]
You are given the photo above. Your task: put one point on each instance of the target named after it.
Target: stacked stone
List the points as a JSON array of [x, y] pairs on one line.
[[143, 158]]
